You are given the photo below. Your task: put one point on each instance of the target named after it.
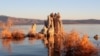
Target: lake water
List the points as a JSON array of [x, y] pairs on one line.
[[36, 47]]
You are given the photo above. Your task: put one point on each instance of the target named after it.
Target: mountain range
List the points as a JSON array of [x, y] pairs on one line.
[[27, 21]]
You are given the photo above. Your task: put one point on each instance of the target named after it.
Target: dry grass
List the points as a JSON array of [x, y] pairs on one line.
[[18, 34], [77, 46], [6, 34]]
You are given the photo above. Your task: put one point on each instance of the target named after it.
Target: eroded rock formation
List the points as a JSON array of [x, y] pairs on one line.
[[54, 32], [32, 32], [33, 29]]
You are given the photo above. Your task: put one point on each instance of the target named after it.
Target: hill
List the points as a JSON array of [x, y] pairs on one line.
[[27, 21], [88, 21], [20, 21]]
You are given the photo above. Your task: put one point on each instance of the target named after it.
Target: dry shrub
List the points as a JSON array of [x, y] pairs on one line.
[[40, 36], [18, 34], [78, 46], [6, 44], [72, 39], [6, 34]]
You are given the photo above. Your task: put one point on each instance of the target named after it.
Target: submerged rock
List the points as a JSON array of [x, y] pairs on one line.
[[96, 37]]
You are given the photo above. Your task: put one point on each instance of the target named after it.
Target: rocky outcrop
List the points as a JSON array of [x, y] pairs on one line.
[[32, 32], [53, 25], [44, 31], [54, 32], [33, 29]]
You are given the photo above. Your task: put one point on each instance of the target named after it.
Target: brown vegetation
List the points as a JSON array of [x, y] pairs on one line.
[[18, 34], [7, 34], [77, 46]]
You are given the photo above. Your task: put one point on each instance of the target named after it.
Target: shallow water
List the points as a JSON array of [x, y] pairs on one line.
[[36, 48]]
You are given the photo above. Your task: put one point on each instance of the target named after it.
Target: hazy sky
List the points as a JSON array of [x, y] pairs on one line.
[[39, 9]]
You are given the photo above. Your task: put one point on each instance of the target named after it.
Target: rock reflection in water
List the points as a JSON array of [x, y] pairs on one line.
[[32, 40], [6, 44], [18, 41]]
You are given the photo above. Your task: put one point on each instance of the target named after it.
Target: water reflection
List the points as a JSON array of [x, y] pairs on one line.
[[9, 44], [18, 41], [71, 51], [52, 51], [32, 40], [6, 44], [96, 37]]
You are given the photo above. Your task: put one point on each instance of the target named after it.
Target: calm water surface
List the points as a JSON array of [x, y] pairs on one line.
[[35, 47]]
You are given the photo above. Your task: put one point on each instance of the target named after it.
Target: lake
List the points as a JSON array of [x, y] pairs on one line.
[[36, 47]]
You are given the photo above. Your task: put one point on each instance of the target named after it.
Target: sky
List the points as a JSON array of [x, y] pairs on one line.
[[40, 9]]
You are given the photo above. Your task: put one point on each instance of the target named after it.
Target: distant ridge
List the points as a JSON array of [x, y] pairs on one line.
[[88, 21], [20, 21], [27, 21]]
